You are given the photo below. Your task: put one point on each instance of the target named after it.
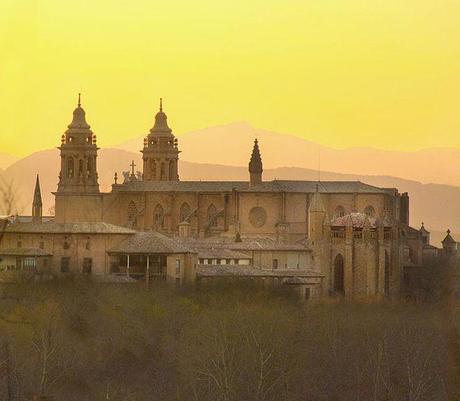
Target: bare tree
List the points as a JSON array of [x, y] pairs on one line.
[[8, 203]]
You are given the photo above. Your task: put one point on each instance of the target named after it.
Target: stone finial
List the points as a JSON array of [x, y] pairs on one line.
[[161, 122]]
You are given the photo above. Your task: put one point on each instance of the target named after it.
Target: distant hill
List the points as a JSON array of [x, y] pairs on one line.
[[6, 160], [435, 204], [231, 145]]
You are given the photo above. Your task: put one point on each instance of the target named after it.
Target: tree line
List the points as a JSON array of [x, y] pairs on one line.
[[79, 340]]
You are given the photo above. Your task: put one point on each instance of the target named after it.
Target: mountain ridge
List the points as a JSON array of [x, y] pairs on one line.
[[428, 165]]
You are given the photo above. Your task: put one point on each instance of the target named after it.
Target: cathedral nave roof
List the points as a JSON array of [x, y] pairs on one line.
[[243, 186]]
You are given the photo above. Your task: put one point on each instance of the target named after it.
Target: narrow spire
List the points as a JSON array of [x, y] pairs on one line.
[[161, 104], [79, 100], [37, 192], [37, 203]]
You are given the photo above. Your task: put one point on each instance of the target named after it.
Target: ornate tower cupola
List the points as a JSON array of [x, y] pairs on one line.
[[78, 156], [37, 203], [160, 152], [255, 165]]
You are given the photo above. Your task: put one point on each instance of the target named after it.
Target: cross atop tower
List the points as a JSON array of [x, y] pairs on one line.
[[132, 168]]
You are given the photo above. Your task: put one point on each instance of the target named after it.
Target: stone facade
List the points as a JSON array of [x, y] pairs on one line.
[[349, 232]]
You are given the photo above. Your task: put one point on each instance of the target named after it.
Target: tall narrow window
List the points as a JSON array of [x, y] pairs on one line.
[[70, 167], [184, 213], [87, 265], [339, 275], [212, 216], [158, 217], [65, 265]]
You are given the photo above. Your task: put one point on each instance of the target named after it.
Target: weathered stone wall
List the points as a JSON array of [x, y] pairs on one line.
[[75, 246], [72, 208]]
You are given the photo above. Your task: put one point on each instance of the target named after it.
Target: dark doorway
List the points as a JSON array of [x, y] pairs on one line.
[[339, 276]]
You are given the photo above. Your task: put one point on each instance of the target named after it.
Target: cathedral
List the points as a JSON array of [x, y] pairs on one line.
[[340, 238]]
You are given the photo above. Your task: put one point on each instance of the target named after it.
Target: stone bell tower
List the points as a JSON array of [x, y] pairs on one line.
[[78, 197], [160, 152], [78, 156]]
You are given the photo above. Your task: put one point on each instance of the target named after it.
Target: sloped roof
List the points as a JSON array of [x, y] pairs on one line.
[[251, 271], [268, 186], [310, 187], [182, 186], [51, 227], [248, 244], [358, 220], [220, 253], [150, 242], [448, 239]]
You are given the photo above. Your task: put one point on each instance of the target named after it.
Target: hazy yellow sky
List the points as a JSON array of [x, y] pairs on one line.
[[382, 73]]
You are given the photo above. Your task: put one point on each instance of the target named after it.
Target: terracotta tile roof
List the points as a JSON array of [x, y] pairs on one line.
[[150, 242], [51, 227], [251, 271], [357, 220], [220, 253], [248, 244]]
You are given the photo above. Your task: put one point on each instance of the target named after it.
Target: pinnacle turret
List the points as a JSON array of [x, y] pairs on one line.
[[37, 203], [255, 165]]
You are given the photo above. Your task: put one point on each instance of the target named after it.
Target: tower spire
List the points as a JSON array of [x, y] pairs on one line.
[[79, 100], [161, 104], [37, 203]]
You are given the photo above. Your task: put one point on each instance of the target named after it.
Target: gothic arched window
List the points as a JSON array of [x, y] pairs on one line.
[[132, 214], [153, 168], [88, 167], [70, 167], [339, 211], [369, 211], [80, 168], [184, 213], [212, 215], [158, 217], [162, 172]]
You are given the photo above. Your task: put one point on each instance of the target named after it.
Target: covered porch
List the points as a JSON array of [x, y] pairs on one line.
[[139, 266]]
